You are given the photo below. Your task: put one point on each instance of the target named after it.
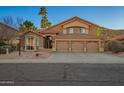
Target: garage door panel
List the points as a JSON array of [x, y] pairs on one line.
[[77, 46], [92, 47], [62, 46]]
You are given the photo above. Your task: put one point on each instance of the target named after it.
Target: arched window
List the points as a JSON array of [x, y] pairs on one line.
[[83, 31], [69, 30]]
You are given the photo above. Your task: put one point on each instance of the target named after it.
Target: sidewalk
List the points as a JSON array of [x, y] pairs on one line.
[[45, 57]]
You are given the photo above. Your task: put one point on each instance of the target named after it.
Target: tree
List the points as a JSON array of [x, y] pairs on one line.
[[43, 11], [35, 29], [8, 29], [27, 26], [99, 31], [49, 24], [12, 22], [44, 22]]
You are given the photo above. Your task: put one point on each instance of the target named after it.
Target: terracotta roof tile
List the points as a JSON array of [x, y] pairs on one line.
[[22, 33], [73, 18]]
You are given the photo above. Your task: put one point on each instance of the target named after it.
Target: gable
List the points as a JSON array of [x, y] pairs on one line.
[[76, 23], [31, 33]]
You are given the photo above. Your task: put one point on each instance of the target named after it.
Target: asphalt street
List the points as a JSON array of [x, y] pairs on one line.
[[61, 74]]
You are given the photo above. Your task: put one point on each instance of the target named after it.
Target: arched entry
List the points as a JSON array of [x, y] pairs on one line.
[[48, 42]]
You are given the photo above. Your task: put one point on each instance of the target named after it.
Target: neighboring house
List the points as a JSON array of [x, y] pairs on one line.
[[8, 34], [72, 35]]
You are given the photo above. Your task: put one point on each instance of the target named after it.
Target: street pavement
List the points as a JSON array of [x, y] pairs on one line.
[[63, 69], [61, 74]]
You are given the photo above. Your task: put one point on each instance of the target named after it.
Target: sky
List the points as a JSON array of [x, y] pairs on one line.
[[107, 16]]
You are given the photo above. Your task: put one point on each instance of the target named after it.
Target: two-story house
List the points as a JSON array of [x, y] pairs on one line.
[[72, 35]]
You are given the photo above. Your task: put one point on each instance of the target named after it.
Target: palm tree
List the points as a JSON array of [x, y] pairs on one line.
[[43, 11], [49, 24], [27, 26], [35, 29], [44, 22], [22, 28]]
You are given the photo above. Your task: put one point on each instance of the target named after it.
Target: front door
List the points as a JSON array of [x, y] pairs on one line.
[[48, 42]]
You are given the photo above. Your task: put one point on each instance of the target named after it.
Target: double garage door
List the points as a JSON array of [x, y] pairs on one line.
[[77, 46]]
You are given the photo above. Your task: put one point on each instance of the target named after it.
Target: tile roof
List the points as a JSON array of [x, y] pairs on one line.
[[23, 33], [46, 31]]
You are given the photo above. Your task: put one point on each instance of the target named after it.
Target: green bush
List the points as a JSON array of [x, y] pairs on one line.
[[10, 48], [115, 46], [2, 44]]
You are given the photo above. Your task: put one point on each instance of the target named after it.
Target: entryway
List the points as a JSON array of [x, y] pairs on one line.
[[48, 42]]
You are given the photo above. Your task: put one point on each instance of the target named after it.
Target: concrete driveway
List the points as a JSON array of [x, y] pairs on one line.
[[70, 58], [84, 58]]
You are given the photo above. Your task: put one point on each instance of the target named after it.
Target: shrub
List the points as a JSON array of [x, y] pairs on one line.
[[2, 44], [2, 50], [10, 48], [115, 46]]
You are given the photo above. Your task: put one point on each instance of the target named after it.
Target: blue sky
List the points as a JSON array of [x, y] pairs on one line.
[[110, 17]]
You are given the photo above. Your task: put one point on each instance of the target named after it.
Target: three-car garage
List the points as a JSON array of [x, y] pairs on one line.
[[78, 46]]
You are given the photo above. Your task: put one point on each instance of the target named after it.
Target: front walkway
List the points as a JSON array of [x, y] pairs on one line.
[[29, 57]]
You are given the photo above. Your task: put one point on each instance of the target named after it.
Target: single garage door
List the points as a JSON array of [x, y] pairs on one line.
[[77, 46], [92, 47], [62, 46]]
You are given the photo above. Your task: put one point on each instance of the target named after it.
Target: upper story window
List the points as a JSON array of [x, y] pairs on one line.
[[69, 30], [83, 31]]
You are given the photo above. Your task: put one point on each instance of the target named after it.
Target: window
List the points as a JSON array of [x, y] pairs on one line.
[[83, 31], [69, 30], [37, 43]]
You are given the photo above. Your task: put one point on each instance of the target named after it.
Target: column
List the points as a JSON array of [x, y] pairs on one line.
[[85, 49], [34, 43], [25, 43], [54, 44], [101, 49], [70, 45], [41, 43]]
